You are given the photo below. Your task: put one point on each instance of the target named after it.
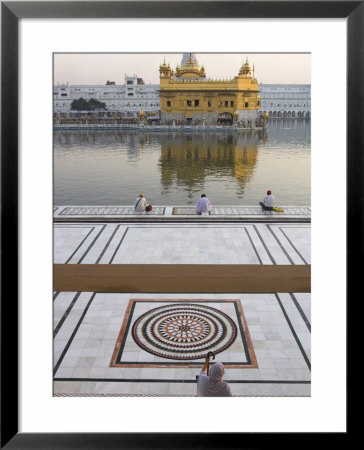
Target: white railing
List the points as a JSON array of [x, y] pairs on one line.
[[108, 126]]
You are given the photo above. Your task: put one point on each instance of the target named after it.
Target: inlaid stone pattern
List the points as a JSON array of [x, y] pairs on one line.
[[184, 331], [246, 211], [109, 211], [89, 211], [252, 211]]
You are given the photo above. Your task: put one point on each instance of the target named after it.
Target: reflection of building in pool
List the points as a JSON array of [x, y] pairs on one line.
[[188, 159], [187, 96], [286, 100]]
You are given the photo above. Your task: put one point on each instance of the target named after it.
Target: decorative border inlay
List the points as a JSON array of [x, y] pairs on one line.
[[110, 211], [245, 211]]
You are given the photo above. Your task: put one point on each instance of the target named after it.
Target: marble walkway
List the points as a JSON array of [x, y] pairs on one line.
[[130, 344]]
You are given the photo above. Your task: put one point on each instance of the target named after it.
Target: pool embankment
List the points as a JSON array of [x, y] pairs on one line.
[[95, 213]]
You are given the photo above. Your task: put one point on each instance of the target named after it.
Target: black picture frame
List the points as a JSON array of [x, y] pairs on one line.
[[11, 13]]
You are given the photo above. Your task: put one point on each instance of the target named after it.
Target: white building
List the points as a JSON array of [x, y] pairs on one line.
[[129, 98], [286, 100], [278, 100]]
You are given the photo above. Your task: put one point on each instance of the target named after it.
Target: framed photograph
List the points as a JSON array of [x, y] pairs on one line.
[[39, 39]]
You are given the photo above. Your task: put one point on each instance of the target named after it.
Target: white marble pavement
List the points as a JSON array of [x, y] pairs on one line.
[[182, 243], [87, 326]]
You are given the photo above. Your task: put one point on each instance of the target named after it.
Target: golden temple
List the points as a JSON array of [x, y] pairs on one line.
[[188, 97]]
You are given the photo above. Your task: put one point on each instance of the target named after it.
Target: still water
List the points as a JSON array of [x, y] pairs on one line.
[[231, 168]]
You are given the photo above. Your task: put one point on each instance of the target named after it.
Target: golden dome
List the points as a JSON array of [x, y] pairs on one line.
[[245, 68], [165, 66], [165, 70], [190, 64], [190, 69]]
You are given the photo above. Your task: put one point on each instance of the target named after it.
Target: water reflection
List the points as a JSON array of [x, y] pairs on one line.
[[111, 167], [190, 159]]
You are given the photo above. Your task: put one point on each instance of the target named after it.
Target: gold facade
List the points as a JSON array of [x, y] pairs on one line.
[[187, 96]]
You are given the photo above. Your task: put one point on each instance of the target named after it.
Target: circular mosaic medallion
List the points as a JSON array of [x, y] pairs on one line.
[[184, 331]]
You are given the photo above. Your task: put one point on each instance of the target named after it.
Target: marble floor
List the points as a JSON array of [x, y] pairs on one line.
[[130, 344], [123, 243]]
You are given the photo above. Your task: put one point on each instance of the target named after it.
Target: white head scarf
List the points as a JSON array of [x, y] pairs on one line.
[[212, 385], [216, 372]]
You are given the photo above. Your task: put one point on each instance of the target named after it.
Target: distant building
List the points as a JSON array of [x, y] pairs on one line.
[[128, 98], [187, 96], [286, 100]]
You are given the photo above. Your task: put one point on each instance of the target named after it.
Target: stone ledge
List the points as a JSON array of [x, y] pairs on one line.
[[107, 211], [244, 211], [180, 213]]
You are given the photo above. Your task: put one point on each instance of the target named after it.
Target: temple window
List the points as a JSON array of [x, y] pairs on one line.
[[209, 103], [231, 103], [197, 102], [168, 104], [226, 103], [188, 102], [246, 104]]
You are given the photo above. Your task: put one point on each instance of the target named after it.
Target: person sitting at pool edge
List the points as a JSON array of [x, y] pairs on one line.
[[268, 201], [203, 205], [140, 203], [211, 385]]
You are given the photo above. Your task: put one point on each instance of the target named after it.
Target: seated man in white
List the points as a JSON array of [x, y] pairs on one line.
[[203, 205], [268, 201]]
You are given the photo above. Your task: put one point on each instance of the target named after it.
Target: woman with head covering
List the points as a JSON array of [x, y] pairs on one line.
[[140, 203], [211, 384]]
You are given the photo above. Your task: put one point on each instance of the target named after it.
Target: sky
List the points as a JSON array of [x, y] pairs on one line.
[[97, 68]]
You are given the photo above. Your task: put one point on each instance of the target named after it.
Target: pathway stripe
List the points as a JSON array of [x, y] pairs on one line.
[[293, 331], [107, 245], [280, 244], [300, 310], [91, 245], [264, 244], [65, 350], [117, 248], [83, 240], [252, 244], [288, 239], [65, 315]]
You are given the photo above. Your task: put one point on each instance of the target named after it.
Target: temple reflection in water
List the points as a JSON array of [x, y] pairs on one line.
[[175, 168], [188, 159]]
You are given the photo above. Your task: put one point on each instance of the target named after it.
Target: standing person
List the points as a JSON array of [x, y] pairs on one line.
[[140, 203], [268, 201], [203, 205], [211, 385]]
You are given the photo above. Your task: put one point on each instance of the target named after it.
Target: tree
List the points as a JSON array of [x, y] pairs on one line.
[[95, 104], [81, 104]]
